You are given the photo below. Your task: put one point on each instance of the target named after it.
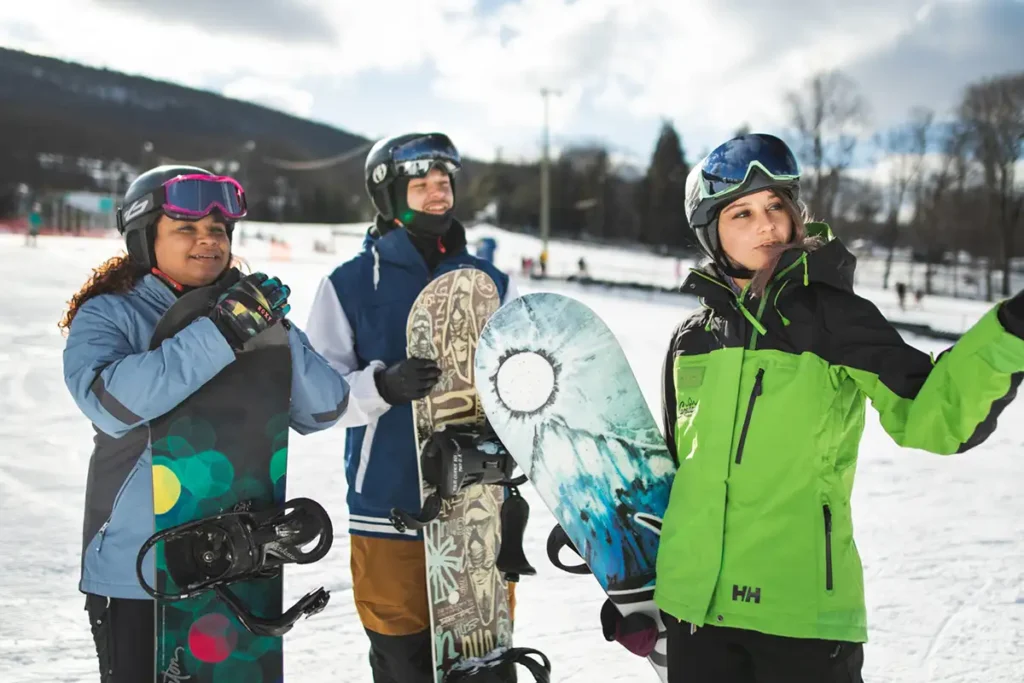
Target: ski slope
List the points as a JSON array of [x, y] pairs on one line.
[[942, 538]]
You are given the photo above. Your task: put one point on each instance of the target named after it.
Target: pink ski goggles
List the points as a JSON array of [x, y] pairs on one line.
[[195, 196], [189, 197]]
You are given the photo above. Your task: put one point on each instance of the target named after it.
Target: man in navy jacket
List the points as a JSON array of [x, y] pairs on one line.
[[358, 323]]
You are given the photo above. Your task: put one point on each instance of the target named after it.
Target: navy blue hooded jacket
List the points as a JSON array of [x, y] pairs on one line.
[[357, 323]]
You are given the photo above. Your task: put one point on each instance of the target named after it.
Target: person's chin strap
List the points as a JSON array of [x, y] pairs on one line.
[[175, 286], [228, 276]]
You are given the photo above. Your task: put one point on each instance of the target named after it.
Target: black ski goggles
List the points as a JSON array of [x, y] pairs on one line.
[[416, 157], [727, 168]]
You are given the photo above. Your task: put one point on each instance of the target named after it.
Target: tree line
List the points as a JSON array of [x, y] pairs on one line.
[[945, 184], [946, 181]]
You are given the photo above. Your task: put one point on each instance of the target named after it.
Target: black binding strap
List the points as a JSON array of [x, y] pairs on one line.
[[498, 667], [558, 539]]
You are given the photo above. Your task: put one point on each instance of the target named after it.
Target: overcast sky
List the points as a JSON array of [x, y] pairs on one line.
[[474, 68]]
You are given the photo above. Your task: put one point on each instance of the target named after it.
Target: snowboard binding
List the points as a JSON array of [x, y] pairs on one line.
[[459, 456], [499, 667], [559, 539], [212, 553]]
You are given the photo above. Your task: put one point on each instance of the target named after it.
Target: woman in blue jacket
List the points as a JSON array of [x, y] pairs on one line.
[[177, 223]]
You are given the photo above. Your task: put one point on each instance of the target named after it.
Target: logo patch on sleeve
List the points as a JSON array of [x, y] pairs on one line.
[[689, 377]]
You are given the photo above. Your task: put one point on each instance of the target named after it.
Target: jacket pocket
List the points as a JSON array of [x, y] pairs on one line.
[[827, 513], [754, 393], [102, 533]]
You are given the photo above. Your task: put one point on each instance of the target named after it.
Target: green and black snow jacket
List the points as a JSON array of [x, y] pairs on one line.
[[764, 409]]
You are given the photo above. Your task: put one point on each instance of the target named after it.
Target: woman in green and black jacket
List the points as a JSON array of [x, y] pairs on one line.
[[765, 388]]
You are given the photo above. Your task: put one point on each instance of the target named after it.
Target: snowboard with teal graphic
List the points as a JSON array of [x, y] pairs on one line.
[[559, 392], [222, 450]]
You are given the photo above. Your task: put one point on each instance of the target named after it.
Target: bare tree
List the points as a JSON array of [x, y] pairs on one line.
[[859, 202], [905, 148], [993, 112], [934, 196], [826, 115]]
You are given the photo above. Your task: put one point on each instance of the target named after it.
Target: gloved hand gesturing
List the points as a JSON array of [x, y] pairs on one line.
[[407, 380], [250, 306]]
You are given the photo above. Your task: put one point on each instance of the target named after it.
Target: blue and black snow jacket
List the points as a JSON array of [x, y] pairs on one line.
[[120, 385], [357, 323]]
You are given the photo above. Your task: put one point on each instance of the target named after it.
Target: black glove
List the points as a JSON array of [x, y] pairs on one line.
[[250, 306], [1011, 314], [407, 380]]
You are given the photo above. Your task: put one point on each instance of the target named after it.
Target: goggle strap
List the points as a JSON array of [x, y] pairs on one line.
[[705, 194]]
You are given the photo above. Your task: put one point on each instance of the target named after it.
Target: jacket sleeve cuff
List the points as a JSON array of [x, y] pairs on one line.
[[1013, 324]]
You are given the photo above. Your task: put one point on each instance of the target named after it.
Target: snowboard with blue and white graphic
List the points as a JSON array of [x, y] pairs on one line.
[[559, 392]]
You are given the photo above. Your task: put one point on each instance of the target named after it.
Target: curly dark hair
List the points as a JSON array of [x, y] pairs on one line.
[[116, 275]]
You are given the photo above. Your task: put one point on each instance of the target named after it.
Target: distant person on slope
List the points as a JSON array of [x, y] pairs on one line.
[[358, 323], [35, 222], [765, 388], [177, 223]]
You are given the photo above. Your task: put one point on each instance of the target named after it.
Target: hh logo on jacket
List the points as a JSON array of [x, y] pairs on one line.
[[746, 594]]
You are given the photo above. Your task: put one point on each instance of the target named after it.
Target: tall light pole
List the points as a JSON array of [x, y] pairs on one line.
[[545, 173]]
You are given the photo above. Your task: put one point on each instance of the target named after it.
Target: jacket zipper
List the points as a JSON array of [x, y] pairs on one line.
[[754, 393], [760, 315], [102, 533], [827, 511]]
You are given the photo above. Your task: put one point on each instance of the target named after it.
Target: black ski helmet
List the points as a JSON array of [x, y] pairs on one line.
[[738, 167], [138, 225], [406, 155]]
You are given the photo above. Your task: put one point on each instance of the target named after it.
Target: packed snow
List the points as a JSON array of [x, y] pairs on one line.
[[941, 538]]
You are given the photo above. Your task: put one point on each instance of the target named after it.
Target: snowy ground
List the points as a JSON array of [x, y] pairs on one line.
[[942, 538]]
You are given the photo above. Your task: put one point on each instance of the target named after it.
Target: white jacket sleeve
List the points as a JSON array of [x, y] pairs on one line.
[[511, 292], [331, 335]]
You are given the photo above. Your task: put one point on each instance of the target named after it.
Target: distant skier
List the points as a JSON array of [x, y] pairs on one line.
[[358, 322], [177, 223], [758, 575], [35, 222]]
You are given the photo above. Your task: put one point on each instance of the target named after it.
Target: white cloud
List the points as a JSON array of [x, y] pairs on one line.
[[709, 65], [385, 35], [273, 94], [713, 64]]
